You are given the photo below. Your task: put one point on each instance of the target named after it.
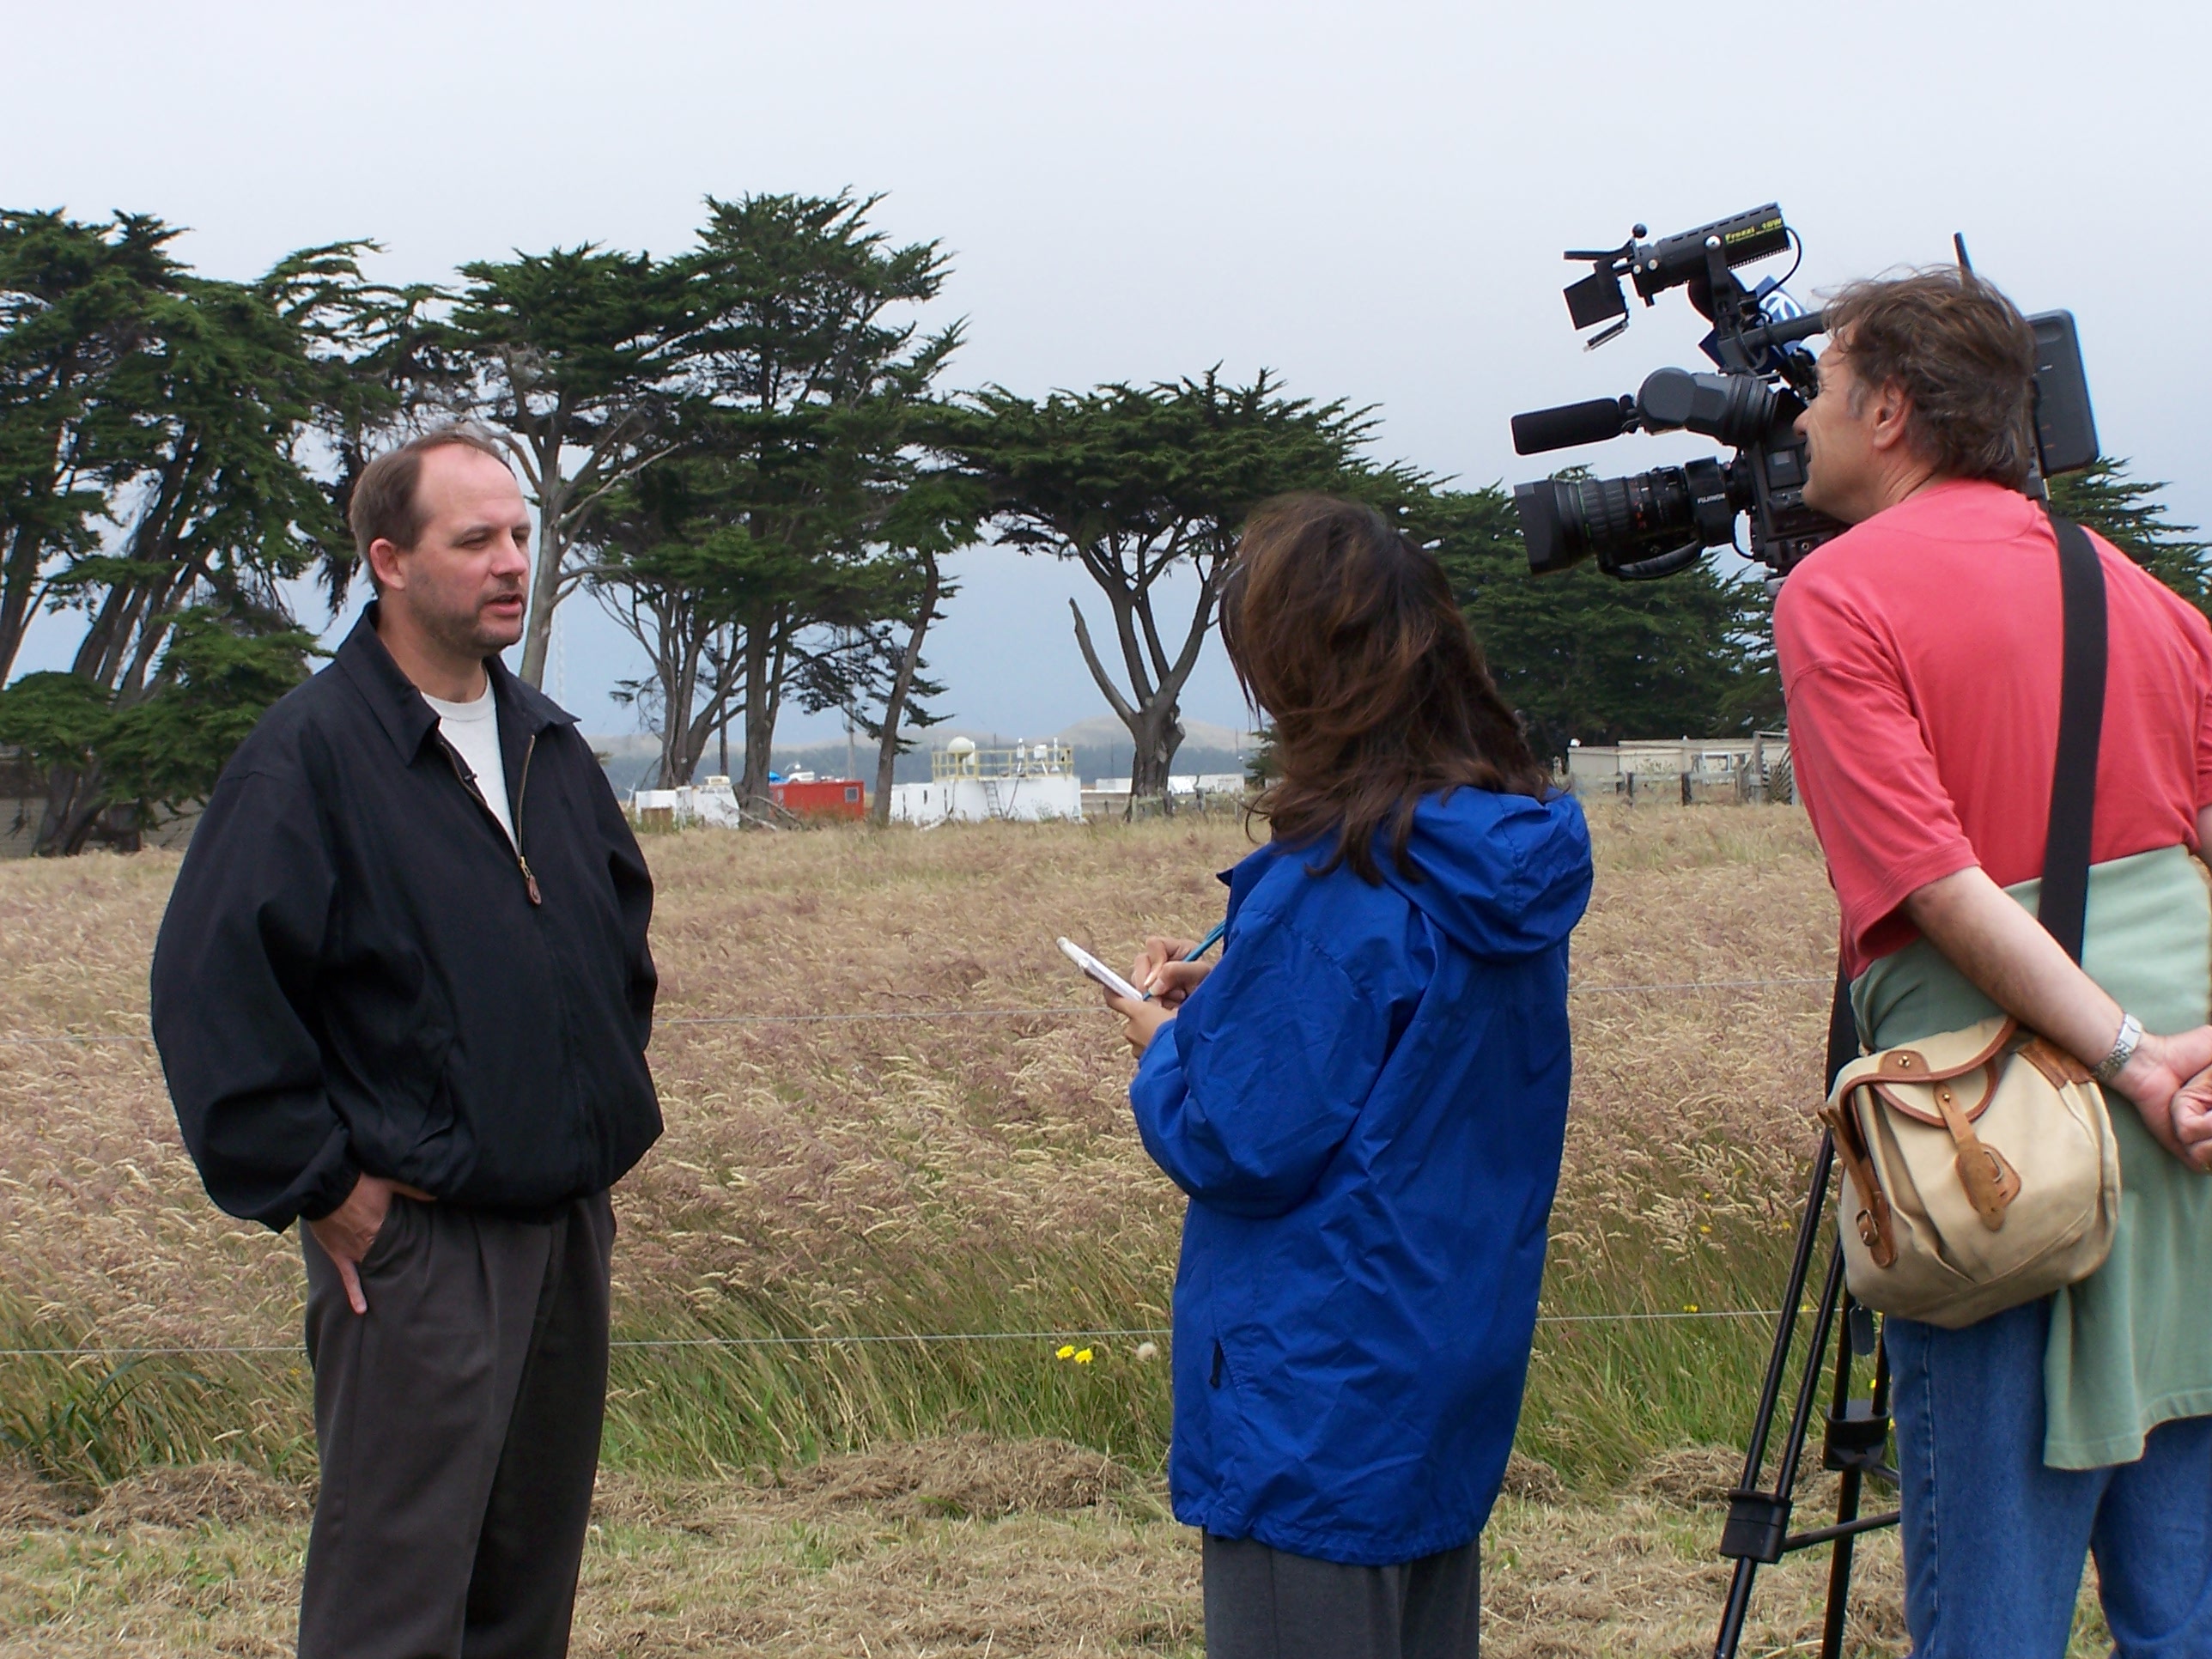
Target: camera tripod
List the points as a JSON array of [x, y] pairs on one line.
[[1857, 1432]]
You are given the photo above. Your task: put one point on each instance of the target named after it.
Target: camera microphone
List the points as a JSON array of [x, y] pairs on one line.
[[1570, 424]]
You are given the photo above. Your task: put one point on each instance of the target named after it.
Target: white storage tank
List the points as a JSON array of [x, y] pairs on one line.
[[1027, 783]]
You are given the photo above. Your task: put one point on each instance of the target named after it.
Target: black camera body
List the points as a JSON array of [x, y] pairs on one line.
[[1655, 523]]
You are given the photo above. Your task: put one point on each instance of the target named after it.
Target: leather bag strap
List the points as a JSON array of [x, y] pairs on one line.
[[2065, 902]]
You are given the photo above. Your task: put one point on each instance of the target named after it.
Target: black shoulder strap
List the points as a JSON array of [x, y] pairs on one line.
[[1843, 1027], [2065, 901]]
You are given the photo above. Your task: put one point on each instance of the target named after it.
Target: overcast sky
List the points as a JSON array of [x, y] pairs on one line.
[[1369, 200]]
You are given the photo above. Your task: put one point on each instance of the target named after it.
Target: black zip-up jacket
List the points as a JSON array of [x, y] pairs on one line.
[[359, 972]]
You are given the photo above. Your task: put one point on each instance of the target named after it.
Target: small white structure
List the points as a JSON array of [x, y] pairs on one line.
[[1185, 784], [1753, 769], [711, 801], [1027, 783]]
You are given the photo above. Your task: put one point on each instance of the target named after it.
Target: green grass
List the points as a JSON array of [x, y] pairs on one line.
[[1605, 1396], [83, 1422], [778, 1394], [745, 1383], [726, 1379]]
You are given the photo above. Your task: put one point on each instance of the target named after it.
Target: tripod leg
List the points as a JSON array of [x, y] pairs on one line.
[[1734, 1611], [1757, 1519], [1808, 1387], [1847, 1509], [1847, 1505], [1859, 1438], [1793, 1298]]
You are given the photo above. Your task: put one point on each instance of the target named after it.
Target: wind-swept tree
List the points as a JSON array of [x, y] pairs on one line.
[[195, 432], [164, 749], [574, 355], [1140, 483], [75, 300], [937, 513], [657, 573], [805, 371], [679, 570]]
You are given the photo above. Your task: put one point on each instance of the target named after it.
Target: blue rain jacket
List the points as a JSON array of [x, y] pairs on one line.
[[1365, 1102]]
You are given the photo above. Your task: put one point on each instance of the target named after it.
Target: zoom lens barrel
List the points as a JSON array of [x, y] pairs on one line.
[[1564, 521], [1621, 521]]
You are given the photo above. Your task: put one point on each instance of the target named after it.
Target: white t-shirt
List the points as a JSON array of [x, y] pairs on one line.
[[473, 728]]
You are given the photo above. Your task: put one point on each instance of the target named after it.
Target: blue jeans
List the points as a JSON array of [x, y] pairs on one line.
[[1994, 1542]]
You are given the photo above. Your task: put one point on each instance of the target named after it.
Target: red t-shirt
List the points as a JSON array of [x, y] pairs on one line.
[[1920, 657]]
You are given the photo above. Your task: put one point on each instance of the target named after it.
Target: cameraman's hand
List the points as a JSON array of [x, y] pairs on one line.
[[2167, 1079], [1162, 971], [2193, 1121]]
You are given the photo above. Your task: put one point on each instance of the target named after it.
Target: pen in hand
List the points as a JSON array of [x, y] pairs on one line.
[[1192, 955]]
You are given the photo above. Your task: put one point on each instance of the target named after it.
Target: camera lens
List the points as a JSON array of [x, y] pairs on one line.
[[1627, 521], [1565, 520]]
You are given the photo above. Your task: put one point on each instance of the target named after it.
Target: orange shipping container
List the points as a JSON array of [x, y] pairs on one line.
[[822, 798]]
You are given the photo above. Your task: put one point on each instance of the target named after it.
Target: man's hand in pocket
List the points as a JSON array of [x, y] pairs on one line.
[[349, 1232]]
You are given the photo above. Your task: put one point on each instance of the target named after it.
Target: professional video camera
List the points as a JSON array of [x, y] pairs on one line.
[[1657, 522]]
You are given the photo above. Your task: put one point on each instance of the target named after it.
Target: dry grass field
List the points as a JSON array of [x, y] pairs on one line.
[[891, 1110]]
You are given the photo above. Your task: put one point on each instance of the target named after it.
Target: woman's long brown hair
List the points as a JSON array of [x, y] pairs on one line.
[[1343, 634]]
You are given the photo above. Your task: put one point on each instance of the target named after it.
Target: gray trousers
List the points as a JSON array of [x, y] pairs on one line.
[[1263, 1603], [458, 1423]]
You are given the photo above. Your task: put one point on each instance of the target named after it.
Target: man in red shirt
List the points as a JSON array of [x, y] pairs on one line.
[[1920, 657]]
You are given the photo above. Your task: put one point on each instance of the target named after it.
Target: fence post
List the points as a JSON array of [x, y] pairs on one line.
[[1686, 788]]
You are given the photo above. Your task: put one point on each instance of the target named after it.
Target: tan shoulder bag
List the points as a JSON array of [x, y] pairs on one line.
[[1980, 1172], [1980, 1169]]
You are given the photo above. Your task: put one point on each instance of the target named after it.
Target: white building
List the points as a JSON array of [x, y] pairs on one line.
[[1756, 768], [710, 801], [1183, 785], [1027, 783]]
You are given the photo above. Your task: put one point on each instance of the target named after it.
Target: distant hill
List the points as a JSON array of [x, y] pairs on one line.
[[1101, 744]]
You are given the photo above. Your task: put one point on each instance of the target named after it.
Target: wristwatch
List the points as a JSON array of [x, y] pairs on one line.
[[2124, 1049]]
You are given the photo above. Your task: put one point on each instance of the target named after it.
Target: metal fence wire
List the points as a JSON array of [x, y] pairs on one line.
[[1055, 1011], [834, 1340]]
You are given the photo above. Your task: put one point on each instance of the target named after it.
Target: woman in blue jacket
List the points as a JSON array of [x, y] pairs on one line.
[[1364, 1102]]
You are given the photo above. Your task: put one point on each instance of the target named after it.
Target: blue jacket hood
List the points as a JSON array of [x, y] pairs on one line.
[[1504, 876]]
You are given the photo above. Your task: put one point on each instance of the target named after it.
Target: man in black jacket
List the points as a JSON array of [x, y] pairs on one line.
[[403, 994]]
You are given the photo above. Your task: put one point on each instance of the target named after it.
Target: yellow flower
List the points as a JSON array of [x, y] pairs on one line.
[[1082, 1356], [1066, 1352], [1689, 1307]]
